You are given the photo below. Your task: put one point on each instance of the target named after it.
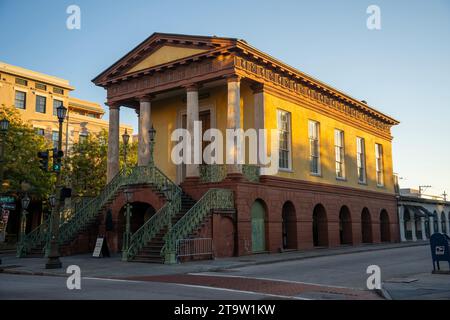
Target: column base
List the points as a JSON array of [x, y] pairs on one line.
[[234, 177], [191, 180], [53, 263]]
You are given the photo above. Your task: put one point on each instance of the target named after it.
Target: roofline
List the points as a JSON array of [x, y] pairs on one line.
[[161, 34], [35, 75], [247, 46], [243, 45]]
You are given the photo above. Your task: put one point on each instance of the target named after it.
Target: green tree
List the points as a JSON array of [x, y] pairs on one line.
[[85, 166], [21, 162]]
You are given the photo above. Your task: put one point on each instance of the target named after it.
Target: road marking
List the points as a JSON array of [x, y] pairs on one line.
[[242, 291], [209, 274], [109, 279]]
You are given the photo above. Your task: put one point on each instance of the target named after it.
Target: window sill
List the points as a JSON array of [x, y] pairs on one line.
[[381, 186], [363, 183], [285, 170], [315, 174], [341, 179]]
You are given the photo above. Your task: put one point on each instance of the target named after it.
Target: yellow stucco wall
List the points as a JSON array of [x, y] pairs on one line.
[[166, 117], [47, 121]]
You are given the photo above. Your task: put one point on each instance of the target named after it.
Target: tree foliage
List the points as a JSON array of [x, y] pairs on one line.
[[85, 166], [21, 163]]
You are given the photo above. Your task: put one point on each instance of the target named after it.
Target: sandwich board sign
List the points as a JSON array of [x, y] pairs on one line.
[[101, 248]]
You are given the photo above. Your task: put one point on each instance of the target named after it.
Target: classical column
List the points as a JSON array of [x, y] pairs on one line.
[[144, 127], [401, 223], [234, 119], [258, 99], [413, 226], [431, 225], [192, 111], [113, 142], [422, 226], [439, 223], [447, 224]]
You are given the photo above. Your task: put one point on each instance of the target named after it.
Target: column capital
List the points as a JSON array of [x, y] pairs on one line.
[[257, 87], [145, 98], [112, 105], [233, 78], [192, 87]]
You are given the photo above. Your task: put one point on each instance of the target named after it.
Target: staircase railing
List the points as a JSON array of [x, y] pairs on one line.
[[88, 211], [130, 176], [212, 199], [161, 219]]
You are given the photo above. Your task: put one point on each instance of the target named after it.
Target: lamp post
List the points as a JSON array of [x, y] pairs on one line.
[[125, 139], [4, 127], [127, 234], [53, 261], [23, 221], [152, 134]]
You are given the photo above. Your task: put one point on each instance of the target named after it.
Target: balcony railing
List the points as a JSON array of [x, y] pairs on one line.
[[217, 172]]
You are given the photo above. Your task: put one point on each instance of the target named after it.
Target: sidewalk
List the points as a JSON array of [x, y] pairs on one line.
[[423, 286], [113, 267]]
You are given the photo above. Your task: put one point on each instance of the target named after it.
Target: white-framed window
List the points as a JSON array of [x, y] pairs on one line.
[[40, 131], [56, 104], [339, 153], [379, 164], [41, 101], [361, 159], [55, 138], [82, 137], [284, 127], [20, 99], [314, 146]]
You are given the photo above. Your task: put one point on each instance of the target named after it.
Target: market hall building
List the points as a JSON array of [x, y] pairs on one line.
[[334, 186]]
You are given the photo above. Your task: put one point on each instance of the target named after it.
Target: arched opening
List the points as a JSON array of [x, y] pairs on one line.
[[385, 230], [345, 226], [443, 223], [407, 224], [427, 227], [320, 226], [419, 230], [435, 222], [258, 216], [289, 226], [140, 213], [366, 226]]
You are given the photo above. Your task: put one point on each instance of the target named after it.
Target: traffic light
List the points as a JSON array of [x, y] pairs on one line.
[[57, 159], [43, 160]]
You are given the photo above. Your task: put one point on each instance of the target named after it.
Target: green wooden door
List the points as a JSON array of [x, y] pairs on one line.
[[258, 230]]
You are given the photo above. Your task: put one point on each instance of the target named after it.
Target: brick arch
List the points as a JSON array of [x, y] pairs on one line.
[[289, 225], [345, 226], [385, 224], [366, 226], [320, 226]]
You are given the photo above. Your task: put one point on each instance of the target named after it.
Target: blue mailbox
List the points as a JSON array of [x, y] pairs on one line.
[[439, 249]]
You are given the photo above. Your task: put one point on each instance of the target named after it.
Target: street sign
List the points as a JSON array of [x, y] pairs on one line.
[[10, 206], [7, 199]]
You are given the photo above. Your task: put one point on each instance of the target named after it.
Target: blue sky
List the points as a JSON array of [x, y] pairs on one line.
[[402, 69]]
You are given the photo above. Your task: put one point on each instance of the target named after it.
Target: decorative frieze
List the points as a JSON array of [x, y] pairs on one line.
[[309, 91]]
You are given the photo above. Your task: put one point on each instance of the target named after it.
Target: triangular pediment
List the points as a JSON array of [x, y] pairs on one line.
[[161, 49], [164, 55]]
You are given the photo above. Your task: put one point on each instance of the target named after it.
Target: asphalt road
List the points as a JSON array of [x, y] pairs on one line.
[[347, 270]]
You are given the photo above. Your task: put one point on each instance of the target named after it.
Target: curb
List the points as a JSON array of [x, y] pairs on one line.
[[318, 255], [30, 273]]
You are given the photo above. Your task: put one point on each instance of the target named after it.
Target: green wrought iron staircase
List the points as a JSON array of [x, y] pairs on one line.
[[87, 214], [156, 240]]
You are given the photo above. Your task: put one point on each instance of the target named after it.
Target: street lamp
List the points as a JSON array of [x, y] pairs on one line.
[[53, 261], [127, 234], [4, 127], [125, 138], [23, 222], [152, 134]]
